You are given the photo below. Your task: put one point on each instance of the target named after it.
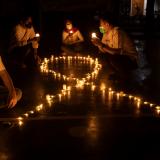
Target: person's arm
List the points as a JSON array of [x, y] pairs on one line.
[[33, 39], [20, 37], [12, 99], [66, 37], [106, 49], [80, 37]]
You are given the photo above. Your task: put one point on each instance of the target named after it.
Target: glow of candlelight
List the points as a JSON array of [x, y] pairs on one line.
[[64, 87], [93, 87], [71, 31], [102, 87], [94, 35], [19, 118], [26, 114], [20, 123], [40, 107], [37, 35]]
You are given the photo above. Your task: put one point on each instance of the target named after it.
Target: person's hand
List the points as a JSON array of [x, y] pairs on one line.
[[97, 42], [33, 39], [12, 99]]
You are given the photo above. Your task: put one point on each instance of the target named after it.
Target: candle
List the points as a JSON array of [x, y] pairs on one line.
[[19, 118], [37, 35], [71, 31], [118, 94], [26, 115], [93, 87], [64, 87], [94, 35], [20, 123], [60, 97], [32, 112], [102, 87], [158, 109], [40, 107]]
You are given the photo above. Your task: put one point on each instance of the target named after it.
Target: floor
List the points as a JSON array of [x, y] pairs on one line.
[[87, 122]]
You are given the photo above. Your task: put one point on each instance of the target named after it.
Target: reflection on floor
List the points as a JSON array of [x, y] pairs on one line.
[[88, 120]]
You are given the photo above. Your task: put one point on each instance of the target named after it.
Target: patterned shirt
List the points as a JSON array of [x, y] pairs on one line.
[[117, 38], [21, 35]]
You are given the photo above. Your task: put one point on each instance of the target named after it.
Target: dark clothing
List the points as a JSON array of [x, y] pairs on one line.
[[121, 65], [22, 55], [73, 48]]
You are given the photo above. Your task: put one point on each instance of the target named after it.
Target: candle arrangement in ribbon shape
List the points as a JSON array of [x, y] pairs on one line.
[[80, 83]]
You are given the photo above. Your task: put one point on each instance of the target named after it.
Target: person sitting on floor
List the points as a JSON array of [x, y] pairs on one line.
[[24, 43], [118, 48], [72, 39]]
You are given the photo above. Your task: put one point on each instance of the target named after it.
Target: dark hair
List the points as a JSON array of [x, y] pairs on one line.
[[107, 16], [67, 20]]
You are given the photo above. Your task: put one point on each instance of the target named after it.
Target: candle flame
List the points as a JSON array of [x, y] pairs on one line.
[[94, 35]]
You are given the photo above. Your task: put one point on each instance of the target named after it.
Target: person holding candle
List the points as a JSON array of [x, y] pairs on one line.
[[24, 43], [118, 48], [72, 39], [8, 94]]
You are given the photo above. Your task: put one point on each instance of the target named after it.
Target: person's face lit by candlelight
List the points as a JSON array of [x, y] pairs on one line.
[[69, 25], [104, 26], [27, 22]]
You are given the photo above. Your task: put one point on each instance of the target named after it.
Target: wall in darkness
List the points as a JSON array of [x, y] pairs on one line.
[[48, 16]]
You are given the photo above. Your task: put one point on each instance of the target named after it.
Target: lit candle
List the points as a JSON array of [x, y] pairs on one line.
[[118, 94], [93, 87], [145, 102], [68, 94], [151, 105], [37, 35], [110, 89], [20, 123], [32, 112], [39, 107], [71, 31], [26, 115], [49, 99], [158, 110], [19, 118], [110, 96], [69, 88], [60, 97], [52, 58], [130, 96], [94, 35], [102, 87], [64, 87]]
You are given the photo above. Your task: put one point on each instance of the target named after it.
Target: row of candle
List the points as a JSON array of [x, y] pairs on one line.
[[66, 89], [51, 99], [80, 83], [89, 76]]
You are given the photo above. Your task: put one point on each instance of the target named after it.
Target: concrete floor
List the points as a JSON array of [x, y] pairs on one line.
[[87, 125]]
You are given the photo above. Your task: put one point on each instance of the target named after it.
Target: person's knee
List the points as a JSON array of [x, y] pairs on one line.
[[19, 94]]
